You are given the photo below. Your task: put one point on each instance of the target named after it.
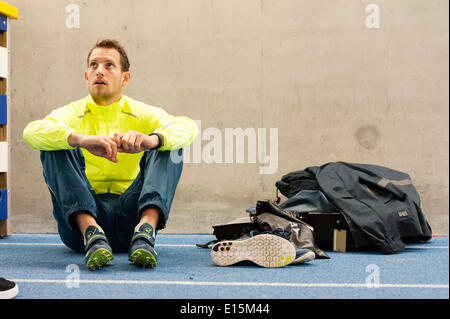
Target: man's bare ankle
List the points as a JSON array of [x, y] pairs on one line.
[[83, 220]]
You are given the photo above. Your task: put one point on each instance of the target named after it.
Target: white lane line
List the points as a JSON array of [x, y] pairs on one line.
[[184, 245], [175, 245], [240, 284], [419, 247], [55, 244], [159, 235], [31, 244]]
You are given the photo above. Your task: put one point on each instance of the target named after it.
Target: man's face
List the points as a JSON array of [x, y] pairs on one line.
[[104, 76]]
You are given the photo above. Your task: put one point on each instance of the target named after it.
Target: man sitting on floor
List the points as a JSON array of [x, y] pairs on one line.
[[111, 163]]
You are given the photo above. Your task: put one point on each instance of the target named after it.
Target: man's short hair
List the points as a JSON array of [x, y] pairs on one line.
[[114, 44]]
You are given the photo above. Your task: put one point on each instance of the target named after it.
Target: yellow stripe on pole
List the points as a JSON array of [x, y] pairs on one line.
[[8, 10]]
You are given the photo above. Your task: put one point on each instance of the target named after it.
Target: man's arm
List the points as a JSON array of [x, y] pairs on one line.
[[107, 147], [176, 131], [98, 145], [135, 142], [58, 131], [51, 133]]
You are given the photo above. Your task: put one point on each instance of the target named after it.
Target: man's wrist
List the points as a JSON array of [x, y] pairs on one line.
[[74, 139], [159, 140]]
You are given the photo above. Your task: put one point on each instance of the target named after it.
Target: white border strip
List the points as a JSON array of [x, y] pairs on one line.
[[4, 59], [159, 235], [60, 244], [224, 283], [31, 244], [419, 247], [184, 245]]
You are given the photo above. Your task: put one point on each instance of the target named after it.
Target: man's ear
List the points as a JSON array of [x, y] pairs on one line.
[[85, 76], [126, 77]]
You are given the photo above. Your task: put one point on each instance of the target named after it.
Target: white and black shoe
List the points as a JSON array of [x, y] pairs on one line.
[[8, 289], [265, 250]]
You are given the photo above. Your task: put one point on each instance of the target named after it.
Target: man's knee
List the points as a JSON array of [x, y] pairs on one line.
[[71, 238], [60, 158], [171, 159]]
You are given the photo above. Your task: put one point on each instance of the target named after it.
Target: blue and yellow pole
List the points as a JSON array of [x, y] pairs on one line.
[[7, 12]]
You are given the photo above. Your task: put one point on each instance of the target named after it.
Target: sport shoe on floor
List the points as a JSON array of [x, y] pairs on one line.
[[8, 289], [97, 248], [265, 250], [303, 256], [142, 252]]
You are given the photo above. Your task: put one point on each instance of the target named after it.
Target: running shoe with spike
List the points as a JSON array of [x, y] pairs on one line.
[[97, 248], [142, 252]]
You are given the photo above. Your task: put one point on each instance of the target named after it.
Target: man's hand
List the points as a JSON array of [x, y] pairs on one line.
[[134, 142], [99, 145], [107, 147]]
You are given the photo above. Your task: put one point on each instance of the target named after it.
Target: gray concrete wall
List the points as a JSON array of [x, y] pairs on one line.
[[336, 88]]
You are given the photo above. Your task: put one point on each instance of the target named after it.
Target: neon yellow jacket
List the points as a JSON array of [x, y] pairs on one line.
[[86, 117]]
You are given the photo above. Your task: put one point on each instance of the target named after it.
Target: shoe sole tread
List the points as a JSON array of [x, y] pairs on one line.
[[143, 258], [264, 250], [99, 258]]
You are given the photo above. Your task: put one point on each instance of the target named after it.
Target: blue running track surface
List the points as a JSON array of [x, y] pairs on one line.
[[44, 268]]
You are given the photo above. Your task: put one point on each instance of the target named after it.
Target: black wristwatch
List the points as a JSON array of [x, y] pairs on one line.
[[160, 139]]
